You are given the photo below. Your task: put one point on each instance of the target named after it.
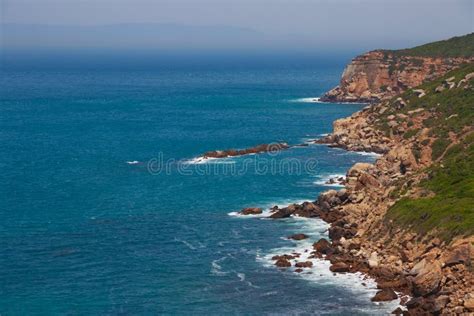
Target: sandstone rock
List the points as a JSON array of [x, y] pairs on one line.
[[373, 260], [419, 267], [322, 246], [428, 279], [469, 302], [305, 264], [298, 236], [285, 256], [469, 76], [359, 168], [251, 211], [380, 75], [339, 267], [440, 88], [284, 212], [283, 263], [252, 150], [459, 254], [440, 302], [384, 295], [419, 92]]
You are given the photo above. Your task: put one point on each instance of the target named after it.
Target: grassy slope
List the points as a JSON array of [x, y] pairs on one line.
[[451, 211], [460, 46]]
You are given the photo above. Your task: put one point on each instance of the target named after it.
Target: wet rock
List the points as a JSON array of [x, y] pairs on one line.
[[251, 211], [322, 246], [286, 257], [384, 295], [283, 263], [284, 212], [339, 267], [252, 150], [298, 236], [305, 264], [299, 270], [336, 232], [397, 311]]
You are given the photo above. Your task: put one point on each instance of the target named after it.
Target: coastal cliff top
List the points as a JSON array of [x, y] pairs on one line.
[[459, 46]]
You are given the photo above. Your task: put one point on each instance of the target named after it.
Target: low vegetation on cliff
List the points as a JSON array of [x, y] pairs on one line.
[[459, 46], [448, 118]]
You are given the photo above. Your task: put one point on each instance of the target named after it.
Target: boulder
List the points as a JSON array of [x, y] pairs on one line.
[[285, 256], [251, 211], [322, 246], [384, 295], [284, 212], [460, 254], [373, 260], [469, 302], [428, 279], [283, 263], [339, 267], [336, 232], [298, 236], [305, 264], [441, 302]]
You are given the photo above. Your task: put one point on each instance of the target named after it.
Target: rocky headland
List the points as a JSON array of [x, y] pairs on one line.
[[382, 74], [406, 220]]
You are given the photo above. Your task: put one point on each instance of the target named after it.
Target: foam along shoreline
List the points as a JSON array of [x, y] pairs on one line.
[[267, 209], [361, 285], [326, 101], [331, 180]]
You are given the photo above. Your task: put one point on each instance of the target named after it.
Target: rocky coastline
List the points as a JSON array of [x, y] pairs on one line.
[[381, 74], [430, 275]]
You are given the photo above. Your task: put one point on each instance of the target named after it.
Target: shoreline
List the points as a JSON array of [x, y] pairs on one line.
[[404, 264]]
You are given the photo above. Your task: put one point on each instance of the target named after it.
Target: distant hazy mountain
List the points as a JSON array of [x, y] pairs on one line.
[[130, 36]]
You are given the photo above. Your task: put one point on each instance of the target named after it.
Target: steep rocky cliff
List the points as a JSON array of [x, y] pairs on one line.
[[413, 209], [382, 74]]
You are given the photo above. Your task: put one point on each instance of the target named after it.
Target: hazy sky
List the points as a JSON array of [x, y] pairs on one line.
[[277, 24]]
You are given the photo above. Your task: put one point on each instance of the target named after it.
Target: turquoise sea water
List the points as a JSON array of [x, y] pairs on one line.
[[86, 228]]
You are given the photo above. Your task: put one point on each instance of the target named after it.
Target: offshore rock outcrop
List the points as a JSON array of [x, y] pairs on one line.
[[274, 147], [381, 74]]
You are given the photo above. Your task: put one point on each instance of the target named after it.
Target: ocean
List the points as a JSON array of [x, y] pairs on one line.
[[106, 210]]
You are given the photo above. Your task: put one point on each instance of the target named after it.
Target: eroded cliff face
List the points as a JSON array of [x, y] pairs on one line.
[[379, 75]]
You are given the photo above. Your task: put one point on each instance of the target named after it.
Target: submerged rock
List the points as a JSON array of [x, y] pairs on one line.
[[298, 236]]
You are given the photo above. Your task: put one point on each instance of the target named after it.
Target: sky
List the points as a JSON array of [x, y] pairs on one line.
[[231, 25]]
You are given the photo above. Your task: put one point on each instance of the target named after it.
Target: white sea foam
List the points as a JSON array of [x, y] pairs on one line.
[[365, 153], [205, 160], [216, 268], [133, 162], [266, 208], [187, 244], [323, 179], [306, 100], [357, 283]]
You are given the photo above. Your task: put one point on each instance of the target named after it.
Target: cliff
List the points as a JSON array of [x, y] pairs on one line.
[[382, 74], [408, 219]]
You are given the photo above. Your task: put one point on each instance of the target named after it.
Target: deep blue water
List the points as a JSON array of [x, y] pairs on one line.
[[84, 232]]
